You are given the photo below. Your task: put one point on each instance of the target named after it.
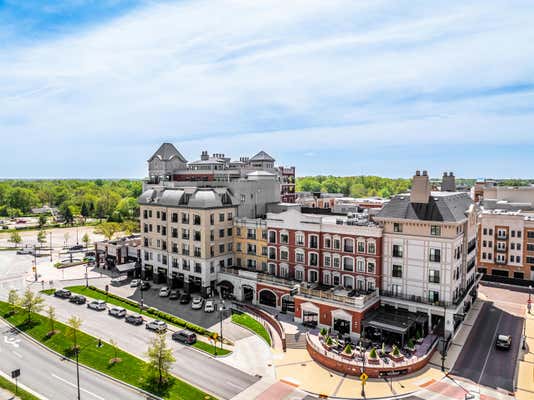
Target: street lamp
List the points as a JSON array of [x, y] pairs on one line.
[[221, 310], [443, 349], [529, 299], [362, 352], [50, 246]]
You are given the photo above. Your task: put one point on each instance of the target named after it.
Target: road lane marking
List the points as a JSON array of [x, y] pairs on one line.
[[17, 354], [12, 341], [491, 347], [74, 386], [235, 385]]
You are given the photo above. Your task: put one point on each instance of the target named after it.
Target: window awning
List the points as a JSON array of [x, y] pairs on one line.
[[125, 267]]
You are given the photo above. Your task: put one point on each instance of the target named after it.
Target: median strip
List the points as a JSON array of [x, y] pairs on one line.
[[130, 369]]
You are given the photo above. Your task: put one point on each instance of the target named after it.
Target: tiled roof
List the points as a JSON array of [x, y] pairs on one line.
[[167, 152], [441, 207]]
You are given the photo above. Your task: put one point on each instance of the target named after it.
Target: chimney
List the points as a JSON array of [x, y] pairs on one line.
[[204, 156], [448, 183], [420, 192]]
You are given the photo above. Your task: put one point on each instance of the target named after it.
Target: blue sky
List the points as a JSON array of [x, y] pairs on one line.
[[91, 88]]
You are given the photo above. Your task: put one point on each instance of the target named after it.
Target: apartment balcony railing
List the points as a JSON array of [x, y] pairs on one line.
[[501, 249], [328, 295]]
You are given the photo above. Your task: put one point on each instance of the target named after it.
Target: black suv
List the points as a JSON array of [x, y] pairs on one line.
[[185, 298], [145, 285], [77, 299], [134, 319], [174, 295], [184, 336], [62, 293]]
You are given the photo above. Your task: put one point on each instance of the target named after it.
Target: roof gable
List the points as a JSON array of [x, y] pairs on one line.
[[167, 152], [262, 156]]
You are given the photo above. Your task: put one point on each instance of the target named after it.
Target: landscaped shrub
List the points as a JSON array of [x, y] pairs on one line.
[[411, 344], [348, 349], [372, 353], [396, 351], [323, 332], [329, 341]]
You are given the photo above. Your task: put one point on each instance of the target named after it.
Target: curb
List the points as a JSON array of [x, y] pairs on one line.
[[129, 386], [22, 386]]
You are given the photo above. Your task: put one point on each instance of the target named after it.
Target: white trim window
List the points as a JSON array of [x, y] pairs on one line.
[[284, 270], [327, 260], [336, 261], [299, 273], [360, 264], [313, 241], [371, 266], [299, 256], [348, 281], [313, 275], [284, 254], [299, 239], [371, 247], [271, 236], [313, 259], [348, 264], [327, 242], [272, 268], [326, 278], [371, 284], [361, 246], [348, 245], [337, 243], [284, 237]]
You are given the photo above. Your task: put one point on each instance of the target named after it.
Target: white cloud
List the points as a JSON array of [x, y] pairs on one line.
[[305, 75]]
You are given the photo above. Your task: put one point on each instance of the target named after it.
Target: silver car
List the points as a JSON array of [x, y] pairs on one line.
[[118, 312], [98, 305]]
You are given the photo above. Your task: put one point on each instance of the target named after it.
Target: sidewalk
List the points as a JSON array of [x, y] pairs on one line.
[[525, 374]]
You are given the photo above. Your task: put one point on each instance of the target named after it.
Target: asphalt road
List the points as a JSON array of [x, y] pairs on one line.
[[48, 375], [211, 375], [479, 360]]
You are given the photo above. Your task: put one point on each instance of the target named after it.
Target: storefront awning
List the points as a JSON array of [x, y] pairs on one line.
[[393, 321], [125, 267]]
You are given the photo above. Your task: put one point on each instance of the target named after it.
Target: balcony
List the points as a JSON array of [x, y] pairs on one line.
[[340, 296], [500, 261]]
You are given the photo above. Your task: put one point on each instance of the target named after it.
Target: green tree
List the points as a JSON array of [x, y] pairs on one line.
[[13, 300], [160, 359], [42, 220], [74, 324], [86, 239], [116, 359], [107, 229], [66, 212], [31, 303], [51, 314], [128, 208], [41, 237], [130, 227], [15, 238]]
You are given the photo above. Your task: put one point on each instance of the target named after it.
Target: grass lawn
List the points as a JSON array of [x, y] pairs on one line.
[[131, 370], [248, 322], [208, 348], [48, 291], [21, 394]]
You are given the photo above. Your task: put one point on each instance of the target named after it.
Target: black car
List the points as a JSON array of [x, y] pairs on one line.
[[77, 247], [134, 319], [145, 285], [62, 293], [185, 298], [174, 295], [77, 299], [503, 342], [185, 336]]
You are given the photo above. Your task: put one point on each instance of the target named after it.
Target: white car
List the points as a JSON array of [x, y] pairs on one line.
[[209, 306], [118, 312], [164, 291], [98, 305], [135, 282], [156, 325], [197, 303]]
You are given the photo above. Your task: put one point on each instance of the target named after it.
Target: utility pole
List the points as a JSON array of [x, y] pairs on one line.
[[35, 262], [362, 351], [78, 372], [221, 310], [51, 246], [444, 349]]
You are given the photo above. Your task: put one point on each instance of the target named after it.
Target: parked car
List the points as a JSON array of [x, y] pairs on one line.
[[503, 342], [185, 298], [97, 305], [62, 293], [118, 312], [209, 306], [134, 319], [77, 299], [174, 295], [24, 251], [185, 336], [164, 291], [197, 303], [135, 282], [156, 325], [145, 285], [76, 247]]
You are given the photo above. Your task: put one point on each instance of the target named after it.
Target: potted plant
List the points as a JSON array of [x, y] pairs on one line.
[[328, 343], [383, 350], [396, 355], [373, 357], [411, 345], [347, 351], [418, 338], [323, 333]]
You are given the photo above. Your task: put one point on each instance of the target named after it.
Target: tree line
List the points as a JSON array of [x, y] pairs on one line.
[[354, 186], [114, 200]]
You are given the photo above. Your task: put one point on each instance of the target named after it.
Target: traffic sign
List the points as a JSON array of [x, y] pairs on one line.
[[15, 373], [364, 377]]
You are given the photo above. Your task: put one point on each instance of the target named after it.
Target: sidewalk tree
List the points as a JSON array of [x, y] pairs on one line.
[[66, 236], [51, 314], [41, 237], [15, 238], [107, 229], [160, 359], [13, 300], [67, 213], [130, 227], [42, 220], [86, 239], [31, 302], [74, 324], [116, 359]]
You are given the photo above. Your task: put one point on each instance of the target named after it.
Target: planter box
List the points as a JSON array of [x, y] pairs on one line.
[[373, 360], [347, 356], [396, 358]]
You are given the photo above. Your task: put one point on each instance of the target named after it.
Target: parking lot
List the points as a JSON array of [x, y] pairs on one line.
[[151, 299]]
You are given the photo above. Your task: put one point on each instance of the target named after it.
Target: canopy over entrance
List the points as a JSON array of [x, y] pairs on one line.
[[125, 267]]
